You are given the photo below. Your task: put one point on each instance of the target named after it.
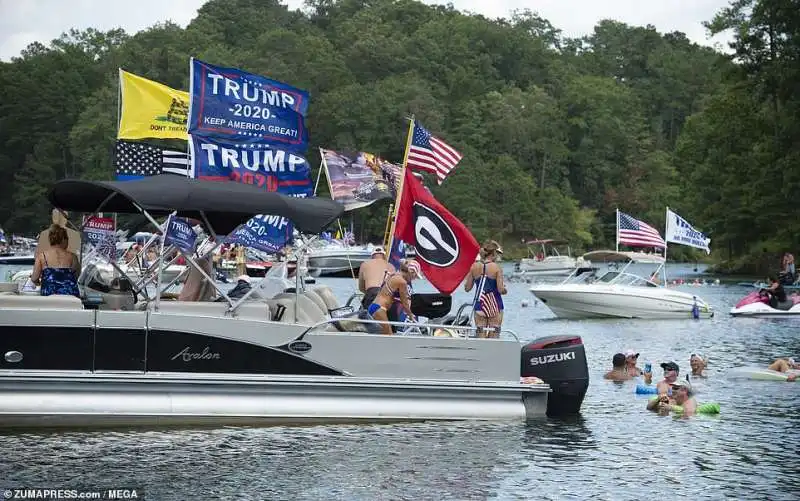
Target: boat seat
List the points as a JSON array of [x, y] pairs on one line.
[[35, 302], [327, 295], [314, 296], [285, 306]]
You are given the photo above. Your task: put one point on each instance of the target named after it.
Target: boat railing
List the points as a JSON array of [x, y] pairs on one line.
[[410, 328]]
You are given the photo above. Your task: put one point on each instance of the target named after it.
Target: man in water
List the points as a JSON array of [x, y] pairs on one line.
[[671, 371], [682, 395], [631, 358], [698, 365], [618, 373], [371, 275]]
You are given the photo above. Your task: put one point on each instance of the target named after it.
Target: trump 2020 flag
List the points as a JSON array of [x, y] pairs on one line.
[[445, 247], [679, 231]]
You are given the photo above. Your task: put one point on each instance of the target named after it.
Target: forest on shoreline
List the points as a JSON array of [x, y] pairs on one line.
[[556, 132]]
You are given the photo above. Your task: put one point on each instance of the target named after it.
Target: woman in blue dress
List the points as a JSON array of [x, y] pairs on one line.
[[488, 305], [56, 269]]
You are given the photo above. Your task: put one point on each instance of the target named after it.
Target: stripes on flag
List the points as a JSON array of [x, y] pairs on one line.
[[489, 304], [635, 233], [134, 160], [431, 154]]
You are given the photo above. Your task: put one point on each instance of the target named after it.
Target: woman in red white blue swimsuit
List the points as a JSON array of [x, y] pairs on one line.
[[488, 304]]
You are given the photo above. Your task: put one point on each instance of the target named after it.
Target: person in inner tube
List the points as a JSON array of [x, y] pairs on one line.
[[776, 292], [395, 288]]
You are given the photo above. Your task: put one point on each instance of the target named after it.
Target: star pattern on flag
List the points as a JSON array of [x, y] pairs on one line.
[[140, 159]]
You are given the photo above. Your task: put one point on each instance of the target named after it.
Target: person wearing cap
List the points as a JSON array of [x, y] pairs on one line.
[[698, 365], [631, 357], [671, 372], [488, 302], [681, 395], [395, 289], [371, 275], [618, 372]]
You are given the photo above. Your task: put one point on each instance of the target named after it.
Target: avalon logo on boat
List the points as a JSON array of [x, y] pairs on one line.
[[187, 355], [436, 241], [299, 346], [548, 359]]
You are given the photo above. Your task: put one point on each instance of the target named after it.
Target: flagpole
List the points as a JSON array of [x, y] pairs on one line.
[[319, 173], [617, 235], [400, 187], [666, 226], [119, 98]]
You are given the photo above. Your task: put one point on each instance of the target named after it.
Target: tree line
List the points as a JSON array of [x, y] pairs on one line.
[[556, 132]]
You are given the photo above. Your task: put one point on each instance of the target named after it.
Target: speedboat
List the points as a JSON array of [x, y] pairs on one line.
[[128, 359], [547, 261], [617, 294], [756, 304], [333, 258]]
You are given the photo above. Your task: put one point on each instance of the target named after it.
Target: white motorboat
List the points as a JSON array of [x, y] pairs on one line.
[[617, 294], [756, 304], [288, 358], [332, 258], [546, 260]]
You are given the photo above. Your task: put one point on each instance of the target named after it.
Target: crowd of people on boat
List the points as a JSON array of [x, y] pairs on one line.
[[387, 291]]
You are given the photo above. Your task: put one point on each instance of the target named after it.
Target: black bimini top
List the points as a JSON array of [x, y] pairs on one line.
[[226, 204]]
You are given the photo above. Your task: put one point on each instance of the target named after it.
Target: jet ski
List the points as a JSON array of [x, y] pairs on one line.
[[756, 304]]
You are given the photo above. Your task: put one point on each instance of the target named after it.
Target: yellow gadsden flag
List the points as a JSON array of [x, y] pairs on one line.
[[150, 109]]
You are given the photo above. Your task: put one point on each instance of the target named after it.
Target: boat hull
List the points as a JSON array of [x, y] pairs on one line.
[[614, 301], [123, 400], [191, 363], [550, 266], [336, 264]]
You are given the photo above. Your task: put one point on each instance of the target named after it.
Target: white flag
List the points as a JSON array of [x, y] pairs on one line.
[[679, 231]]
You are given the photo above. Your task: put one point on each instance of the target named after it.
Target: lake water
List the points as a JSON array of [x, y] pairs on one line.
[[615, 450]]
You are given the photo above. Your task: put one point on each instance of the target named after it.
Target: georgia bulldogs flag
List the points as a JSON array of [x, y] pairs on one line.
[[445, 247]]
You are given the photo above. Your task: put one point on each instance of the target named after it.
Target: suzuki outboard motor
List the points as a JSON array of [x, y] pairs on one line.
[[559, 361]]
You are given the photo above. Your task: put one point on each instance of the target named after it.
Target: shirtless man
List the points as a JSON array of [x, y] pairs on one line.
[[371, 274], [618, 372], [671, 371], [394, 289]]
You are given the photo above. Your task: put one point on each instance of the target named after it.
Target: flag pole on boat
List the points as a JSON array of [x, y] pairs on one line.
[[666, 244], [400, 186]]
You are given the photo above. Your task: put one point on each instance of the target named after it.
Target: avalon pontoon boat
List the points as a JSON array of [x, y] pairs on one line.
[[128, 360]]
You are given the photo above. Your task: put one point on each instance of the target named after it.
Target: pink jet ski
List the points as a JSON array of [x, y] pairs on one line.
[[756, 304]]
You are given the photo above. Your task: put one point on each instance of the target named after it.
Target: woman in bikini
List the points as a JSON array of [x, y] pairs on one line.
[[489, 301], [394, 290]]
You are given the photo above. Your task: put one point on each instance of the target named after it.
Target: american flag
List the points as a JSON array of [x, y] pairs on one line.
[[431, 154], [489, 304], [637, 234], [136, 160]]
